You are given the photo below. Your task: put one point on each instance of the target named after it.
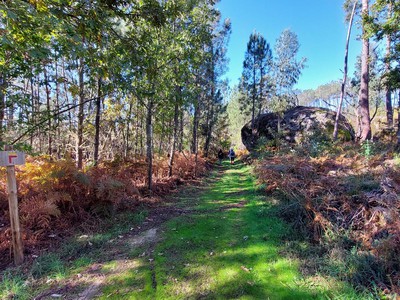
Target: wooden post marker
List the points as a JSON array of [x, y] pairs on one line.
[[9, 159]]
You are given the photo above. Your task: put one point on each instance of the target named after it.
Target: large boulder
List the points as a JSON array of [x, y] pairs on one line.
[[297, 124]]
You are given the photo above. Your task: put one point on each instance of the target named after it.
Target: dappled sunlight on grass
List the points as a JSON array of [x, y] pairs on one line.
[[213, 254], [228, 248]]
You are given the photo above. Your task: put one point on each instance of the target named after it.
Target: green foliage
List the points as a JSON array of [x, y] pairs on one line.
[[13, 286], [237, 116], [396, 159], [50, 265], [254, 82], [287, 70], [368, 149], [383, 23], [317, 144]]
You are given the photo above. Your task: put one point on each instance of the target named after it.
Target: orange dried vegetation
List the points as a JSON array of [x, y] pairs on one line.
[[56, 198], [343, 193]]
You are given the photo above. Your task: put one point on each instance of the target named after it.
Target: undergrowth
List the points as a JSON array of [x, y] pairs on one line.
[[345, 202], [73, 255], [56, 199]]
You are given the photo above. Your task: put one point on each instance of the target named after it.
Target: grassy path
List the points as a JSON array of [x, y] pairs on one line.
[[220, 240], [227, 247]]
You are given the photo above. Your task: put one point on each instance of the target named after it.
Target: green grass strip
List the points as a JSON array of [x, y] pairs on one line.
[[228, 247]]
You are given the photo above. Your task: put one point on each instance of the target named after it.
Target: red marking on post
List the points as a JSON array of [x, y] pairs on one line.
[[11, 157]]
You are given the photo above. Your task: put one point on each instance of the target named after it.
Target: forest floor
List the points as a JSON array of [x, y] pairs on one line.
[[218, 240]]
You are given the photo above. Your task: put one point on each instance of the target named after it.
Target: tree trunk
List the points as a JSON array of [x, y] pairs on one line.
[[32, 120], [389, 107], [37, 105], [64, 75], [398, 124], [97, 124], [3, 86], [142, 121], [180, 145], [128, 129], [79, 138], [195, 127], [57, 107], [162, 133], [363, 96], [346, 54], [253, 106], [174, 138], [149, 144], [49, 129], [209, 130]]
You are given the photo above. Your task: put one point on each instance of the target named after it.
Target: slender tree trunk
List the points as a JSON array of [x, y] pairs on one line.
[[33, 116], [180, 144], [196, 154], [57, 107], [79, 139], [364, 97], [253, 106], [209, 130], [389, 107], [128, 129], [97, 124], [66, 97], [162, 134], [346, 55], [195, 127], [149, 144], [3, 85], [37, 112], [261, 95], [398, 123], [138, 127], [174, 138], [142, 128], [49, 130]]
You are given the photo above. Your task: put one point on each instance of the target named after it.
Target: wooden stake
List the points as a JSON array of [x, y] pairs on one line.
[[14, 215]]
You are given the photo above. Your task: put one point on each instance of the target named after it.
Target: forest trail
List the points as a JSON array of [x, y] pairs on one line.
[[220, 241]]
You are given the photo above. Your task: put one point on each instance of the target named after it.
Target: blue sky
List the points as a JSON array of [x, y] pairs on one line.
[[319, 25]]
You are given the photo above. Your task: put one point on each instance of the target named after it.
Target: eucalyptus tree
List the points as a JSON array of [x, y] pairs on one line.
[[26, 32], [384, 22], [128, 63], [158, 68], [256, 65], [287, 70], [215, 67], [237, 119], [188, 47], [343, 85], [365, 121]]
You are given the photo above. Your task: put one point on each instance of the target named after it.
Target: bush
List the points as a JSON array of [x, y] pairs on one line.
[[55, 196], [345, 204]]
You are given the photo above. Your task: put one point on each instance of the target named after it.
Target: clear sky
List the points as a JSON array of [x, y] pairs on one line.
[[319, 25]]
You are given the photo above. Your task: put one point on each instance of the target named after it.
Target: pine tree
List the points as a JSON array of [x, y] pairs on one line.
[[256, 66]]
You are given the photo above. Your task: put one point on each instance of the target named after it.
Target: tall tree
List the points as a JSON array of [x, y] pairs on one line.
[[256, 65], [385, 22], [365, 121], [287, 70], [215, 67], [343, 85]]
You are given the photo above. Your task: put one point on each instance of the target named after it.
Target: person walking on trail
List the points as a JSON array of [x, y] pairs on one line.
[[220, 156], [231, 155]]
